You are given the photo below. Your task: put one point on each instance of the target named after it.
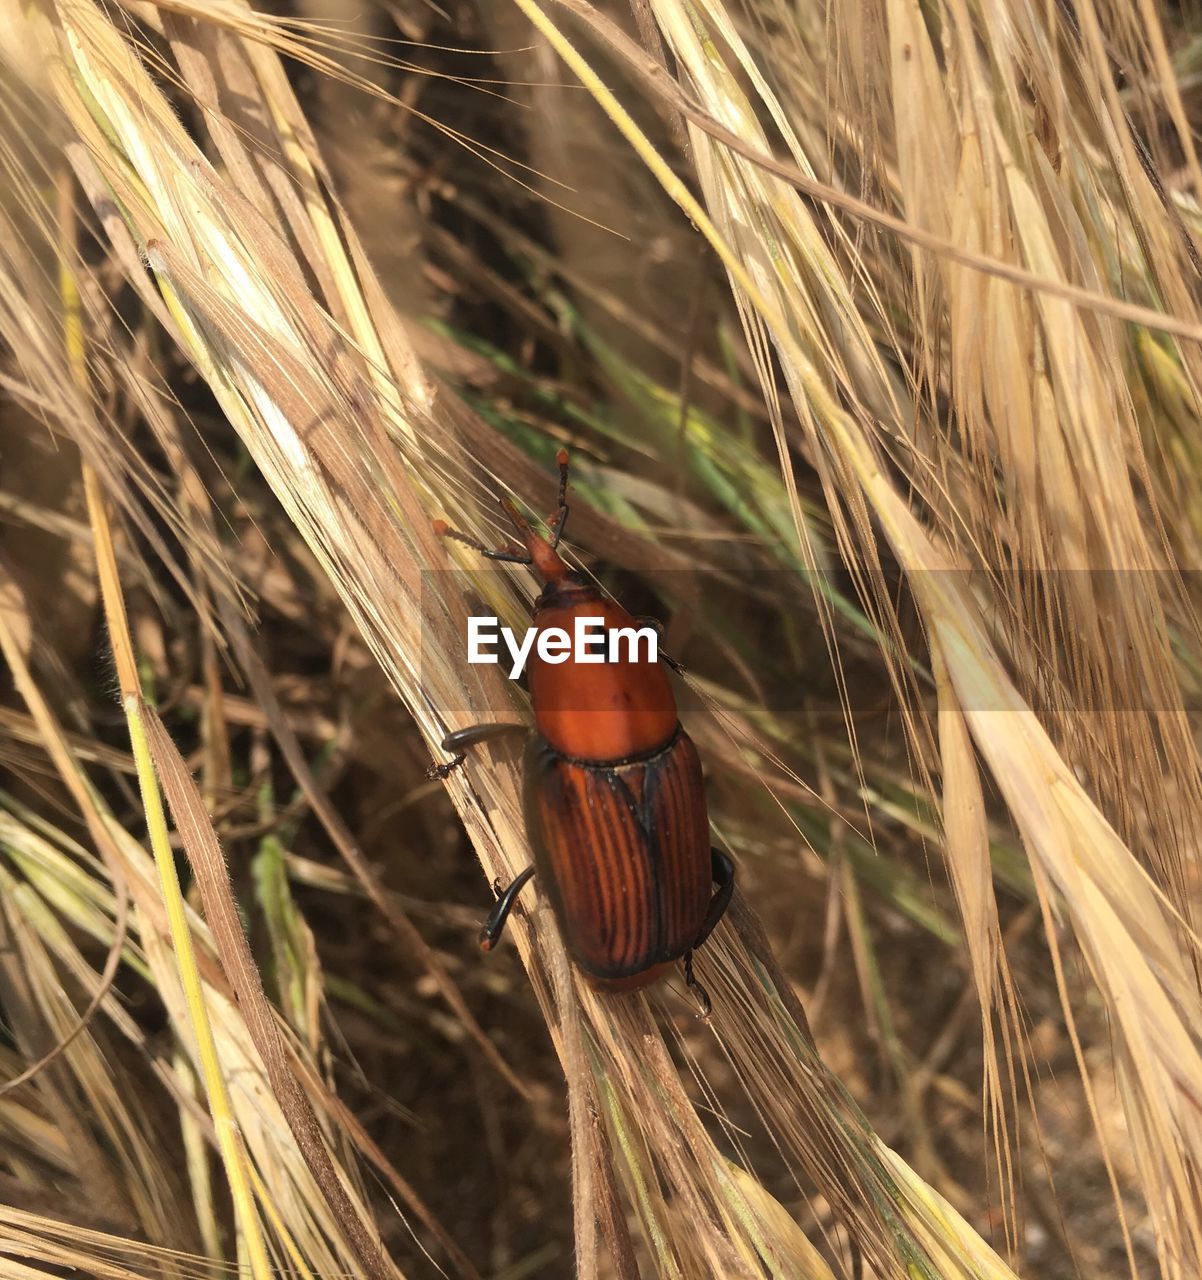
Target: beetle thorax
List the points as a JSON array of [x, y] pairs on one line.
[[597, 711]]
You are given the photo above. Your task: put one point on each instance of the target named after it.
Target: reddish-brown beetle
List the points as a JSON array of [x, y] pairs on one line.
[[614, 798]]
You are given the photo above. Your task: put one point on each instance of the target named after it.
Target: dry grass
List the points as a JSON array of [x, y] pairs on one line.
[[874, 332]]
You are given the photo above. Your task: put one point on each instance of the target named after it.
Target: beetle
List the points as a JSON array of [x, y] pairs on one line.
[[613, 792]]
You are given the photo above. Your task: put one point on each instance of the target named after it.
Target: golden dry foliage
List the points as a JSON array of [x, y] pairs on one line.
[[947, 240], [1034, 484]]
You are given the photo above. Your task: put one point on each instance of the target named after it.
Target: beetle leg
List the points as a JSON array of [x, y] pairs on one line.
[[701, 995], [458, 740], [494, 926], [440, 772], [723, 875], [508, 553], [643, 620]]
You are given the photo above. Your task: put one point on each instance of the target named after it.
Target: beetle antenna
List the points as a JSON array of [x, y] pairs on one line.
[[560, 518], [509, 553]]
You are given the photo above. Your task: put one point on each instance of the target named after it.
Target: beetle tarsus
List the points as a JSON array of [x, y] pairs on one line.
[[494, 926], [700, 994], [458, 740], [440, 772]]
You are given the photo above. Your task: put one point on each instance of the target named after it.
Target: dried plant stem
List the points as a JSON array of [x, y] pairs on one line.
[[225, 1127], [229, 1143]]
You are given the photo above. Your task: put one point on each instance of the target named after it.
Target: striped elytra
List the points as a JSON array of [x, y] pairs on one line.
[[622, 850]]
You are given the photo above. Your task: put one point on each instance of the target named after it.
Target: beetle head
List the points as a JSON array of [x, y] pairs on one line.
[[543, 555]]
